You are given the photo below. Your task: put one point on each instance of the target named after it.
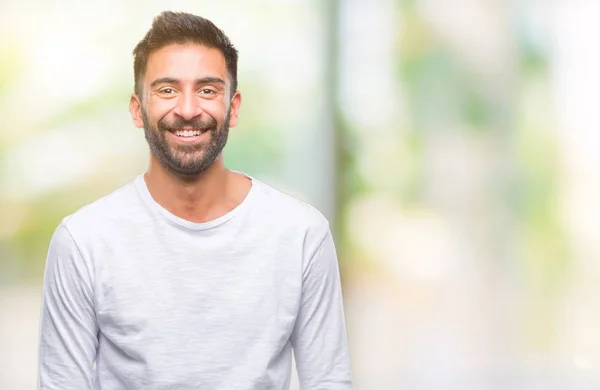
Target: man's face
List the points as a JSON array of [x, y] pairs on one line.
[[186, 110]]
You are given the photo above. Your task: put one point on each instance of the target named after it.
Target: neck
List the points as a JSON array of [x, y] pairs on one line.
[[199, 198]]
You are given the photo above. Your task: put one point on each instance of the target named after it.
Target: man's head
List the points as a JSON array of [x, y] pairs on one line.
[[185, 91]]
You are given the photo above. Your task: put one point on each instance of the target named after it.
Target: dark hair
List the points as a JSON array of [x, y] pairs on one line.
[[180, 27]]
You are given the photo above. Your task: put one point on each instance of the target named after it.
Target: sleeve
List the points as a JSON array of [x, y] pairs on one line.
[[68, 327], [319, 337]]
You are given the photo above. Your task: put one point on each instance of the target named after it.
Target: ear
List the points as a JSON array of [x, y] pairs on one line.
[[135, 108], [236, 101]]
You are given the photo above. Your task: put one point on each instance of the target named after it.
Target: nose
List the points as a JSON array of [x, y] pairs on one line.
[[188, 106]]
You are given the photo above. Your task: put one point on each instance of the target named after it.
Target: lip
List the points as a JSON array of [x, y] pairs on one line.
[[188, 139]]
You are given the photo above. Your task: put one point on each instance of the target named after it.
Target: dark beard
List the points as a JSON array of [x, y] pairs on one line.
[[181, 159]]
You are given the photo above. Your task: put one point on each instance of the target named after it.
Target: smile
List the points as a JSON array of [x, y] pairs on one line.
[[188, 136], [188, 133]]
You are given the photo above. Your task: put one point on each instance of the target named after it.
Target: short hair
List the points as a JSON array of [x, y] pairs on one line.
[[180, 27]]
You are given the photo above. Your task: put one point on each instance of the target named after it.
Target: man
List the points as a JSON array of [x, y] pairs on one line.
[[191, 276]]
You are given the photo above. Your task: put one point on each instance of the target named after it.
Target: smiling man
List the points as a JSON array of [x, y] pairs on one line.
[[191, 276]]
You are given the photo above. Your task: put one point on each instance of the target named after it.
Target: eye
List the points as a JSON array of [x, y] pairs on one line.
[[167, 91], [207, 91]]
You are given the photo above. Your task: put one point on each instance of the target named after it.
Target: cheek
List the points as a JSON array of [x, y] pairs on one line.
[[160, 107], [216, 110], [157, 112]]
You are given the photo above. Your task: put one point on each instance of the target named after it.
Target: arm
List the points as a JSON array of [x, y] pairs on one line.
[[319, 335], [68, 330]]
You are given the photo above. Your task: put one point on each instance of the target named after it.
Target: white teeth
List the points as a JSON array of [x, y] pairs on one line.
[[188, 133]]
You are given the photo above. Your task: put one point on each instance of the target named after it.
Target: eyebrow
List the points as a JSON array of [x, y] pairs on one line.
[[204, 80]]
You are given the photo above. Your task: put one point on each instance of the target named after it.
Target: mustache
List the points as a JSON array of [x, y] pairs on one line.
[[180, 123]]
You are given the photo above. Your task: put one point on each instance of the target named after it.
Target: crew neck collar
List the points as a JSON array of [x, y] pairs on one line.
[[142, 189]]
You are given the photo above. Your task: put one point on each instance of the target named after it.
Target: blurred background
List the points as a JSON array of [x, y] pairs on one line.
[[453, 144]]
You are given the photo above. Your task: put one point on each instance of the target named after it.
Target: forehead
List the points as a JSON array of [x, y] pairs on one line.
[[185, 62]]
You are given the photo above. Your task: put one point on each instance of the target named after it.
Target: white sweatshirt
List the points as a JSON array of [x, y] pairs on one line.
[[137, 298]]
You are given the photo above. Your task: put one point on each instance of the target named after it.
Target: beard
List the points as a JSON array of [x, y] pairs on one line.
[[186, 159]]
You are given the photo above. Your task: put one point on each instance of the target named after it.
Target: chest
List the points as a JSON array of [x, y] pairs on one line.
[[184, 297]]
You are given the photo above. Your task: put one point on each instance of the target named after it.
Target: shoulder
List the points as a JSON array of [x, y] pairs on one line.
[[103, 214], [290, 213]]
